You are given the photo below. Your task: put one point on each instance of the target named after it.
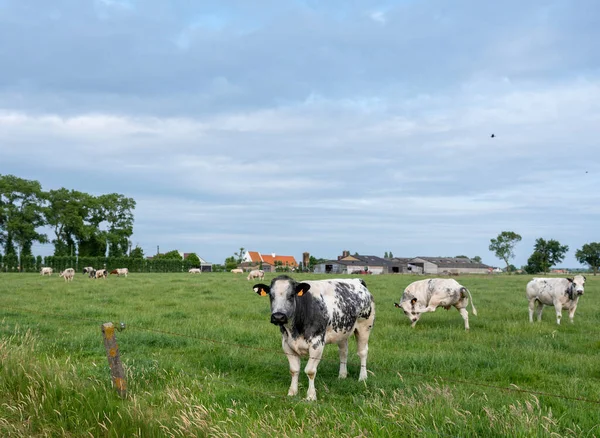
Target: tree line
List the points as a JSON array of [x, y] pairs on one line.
[[546, 253], [82, 224]]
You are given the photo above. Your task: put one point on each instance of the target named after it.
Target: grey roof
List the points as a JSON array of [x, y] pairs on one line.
[[454, 262]]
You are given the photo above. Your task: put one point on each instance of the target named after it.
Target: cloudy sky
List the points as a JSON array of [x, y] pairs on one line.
[[288, 126]]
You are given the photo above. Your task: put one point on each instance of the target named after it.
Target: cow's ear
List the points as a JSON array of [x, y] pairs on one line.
[[584, 279], [396, 305], [570, 280], [413, 301], [302, 288], [262, 289]]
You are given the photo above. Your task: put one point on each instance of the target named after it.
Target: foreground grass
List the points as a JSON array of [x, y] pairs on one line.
[[203, 360]]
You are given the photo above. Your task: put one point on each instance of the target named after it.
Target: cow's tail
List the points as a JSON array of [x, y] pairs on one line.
[[473, 309]]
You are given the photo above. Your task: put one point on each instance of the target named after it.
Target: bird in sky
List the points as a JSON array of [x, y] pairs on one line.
[[493, 135]]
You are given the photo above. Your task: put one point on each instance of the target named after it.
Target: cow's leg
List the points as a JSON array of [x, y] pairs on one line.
[[434, 302], [558, 308], [294, 361], [343, 358], [362, 343], [311, 370], [465, 317], [540, 307], [531, 309], [572, 313]]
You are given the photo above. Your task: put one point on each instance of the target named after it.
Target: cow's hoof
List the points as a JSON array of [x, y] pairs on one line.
[[292, 393], [342, 375], [311, 397]]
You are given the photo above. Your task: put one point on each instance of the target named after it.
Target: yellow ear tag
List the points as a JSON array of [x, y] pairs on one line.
[[263, 293], [300, 293]]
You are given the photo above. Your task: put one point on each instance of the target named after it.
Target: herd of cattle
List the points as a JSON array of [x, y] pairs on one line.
[[69, 273], [312, 314]]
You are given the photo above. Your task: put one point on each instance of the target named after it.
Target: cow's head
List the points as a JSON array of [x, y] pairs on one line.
[[576, 283], [282, 293], [412, 309]]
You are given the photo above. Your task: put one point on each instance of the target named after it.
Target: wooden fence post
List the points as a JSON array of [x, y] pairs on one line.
[[114, 360]]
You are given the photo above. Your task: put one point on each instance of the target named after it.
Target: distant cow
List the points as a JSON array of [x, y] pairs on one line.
[[562, 293], [101, 273], [256, 273], [68, 274], [120, 271], [91, 273], [46, 271], [237, 271], [87, 270], [312, 314], [427, 295], [195, 271]]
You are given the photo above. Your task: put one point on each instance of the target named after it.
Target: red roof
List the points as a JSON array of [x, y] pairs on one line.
[[254, 256], [267, 258]]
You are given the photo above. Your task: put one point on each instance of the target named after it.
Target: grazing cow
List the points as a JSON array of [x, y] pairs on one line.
[[237, 271], [87, 270], [562, 293], [256, 273], [120, 271], [195, 271], [46, 271], [427, 295], [101, 273], [312, 314], [91, 273], [68, 274]]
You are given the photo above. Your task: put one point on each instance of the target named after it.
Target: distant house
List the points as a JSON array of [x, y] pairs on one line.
[[449, 265], [267, 262]]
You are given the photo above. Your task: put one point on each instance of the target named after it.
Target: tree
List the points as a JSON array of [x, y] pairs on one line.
[[503, 246], [21, 214], [230, 263], [137, 253], [545, 255], [385, 256], [477, 259], [589, 254], [240, 255], [171, 255], [66, 212], [193, 259], [391, 255]]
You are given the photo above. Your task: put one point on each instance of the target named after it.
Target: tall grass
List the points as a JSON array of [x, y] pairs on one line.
[[202, 359]]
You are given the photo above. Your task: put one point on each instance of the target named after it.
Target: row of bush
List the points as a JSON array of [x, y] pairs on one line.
[[10, 263]]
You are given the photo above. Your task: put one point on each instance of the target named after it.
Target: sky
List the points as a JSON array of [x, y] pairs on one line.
[[285, 126]]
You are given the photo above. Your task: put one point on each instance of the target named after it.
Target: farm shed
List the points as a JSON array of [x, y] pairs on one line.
[[449, 265]]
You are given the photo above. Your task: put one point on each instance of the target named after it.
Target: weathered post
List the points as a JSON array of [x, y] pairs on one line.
[[114, 360]]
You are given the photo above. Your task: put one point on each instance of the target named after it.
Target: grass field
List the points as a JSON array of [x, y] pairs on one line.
[[202, 359]]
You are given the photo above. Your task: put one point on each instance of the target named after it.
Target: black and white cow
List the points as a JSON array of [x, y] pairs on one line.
[[427, 295], [562, 293], [312, 314]]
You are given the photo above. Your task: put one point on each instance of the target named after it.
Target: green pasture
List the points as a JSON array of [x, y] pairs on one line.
[[202, 359]]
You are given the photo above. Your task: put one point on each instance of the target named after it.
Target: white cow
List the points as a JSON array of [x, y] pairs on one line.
[[562, 293], [120, 271], [101, 273], [195, 271], [68, 274], [46, 271], [256, 273], [427, 295], [237, 271]]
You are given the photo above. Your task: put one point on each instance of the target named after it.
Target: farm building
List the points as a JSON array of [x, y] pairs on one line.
[[449, 265], [349, 264], [267, 262]]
